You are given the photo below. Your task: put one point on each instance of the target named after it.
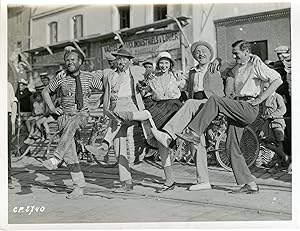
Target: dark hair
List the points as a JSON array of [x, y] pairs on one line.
[[243, 45], [36, 94]]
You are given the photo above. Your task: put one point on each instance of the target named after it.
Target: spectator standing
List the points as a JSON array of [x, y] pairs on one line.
[[12, 113]]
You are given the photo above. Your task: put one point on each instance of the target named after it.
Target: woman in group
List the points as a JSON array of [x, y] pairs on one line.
[[162, 90]]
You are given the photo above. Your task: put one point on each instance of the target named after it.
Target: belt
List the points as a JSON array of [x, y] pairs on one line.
[[244, 97]]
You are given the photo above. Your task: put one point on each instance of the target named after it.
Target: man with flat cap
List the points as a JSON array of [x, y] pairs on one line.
[[283, 53], [111, 60], [75, 86], [120, 100]]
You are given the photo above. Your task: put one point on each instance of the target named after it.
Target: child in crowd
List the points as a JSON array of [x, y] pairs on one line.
[[272, 132], [37, 115], [47, 118]]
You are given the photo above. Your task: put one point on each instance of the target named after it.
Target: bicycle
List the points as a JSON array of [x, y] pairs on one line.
[[216, 145]]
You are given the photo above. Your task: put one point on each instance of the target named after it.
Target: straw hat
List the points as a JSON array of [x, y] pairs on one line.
[[203, 43]]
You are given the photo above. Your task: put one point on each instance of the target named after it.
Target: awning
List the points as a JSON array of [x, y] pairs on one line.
[[123, 33]]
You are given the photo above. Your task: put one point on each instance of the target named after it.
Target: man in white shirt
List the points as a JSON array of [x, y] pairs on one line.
[[242, 110]]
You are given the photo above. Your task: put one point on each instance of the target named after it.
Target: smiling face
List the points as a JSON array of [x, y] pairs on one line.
[[164, 65], [202, 54], [73, 62], [122, 63], [240, 56]]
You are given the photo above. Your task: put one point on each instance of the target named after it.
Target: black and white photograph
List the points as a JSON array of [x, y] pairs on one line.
[[148, 115]]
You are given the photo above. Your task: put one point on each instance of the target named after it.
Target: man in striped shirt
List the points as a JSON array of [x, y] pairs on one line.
[[75, 86]]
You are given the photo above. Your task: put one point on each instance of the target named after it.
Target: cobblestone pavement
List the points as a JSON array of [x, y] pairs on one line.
[[46, 190]]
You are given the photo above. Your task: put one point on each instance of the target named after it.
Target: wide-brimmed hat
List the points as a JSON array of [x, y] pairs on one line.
[[203, 43], [282, 49], [69, 49], [109, 57], [123, 52], [165, 54]]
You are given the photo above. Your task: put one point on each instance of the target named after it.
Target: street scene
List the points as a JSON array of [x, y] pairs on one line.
[[149, 116]]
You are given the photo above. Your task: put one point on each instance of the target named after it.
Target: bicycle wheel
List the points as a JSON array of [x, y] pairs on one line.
[[249, 146]]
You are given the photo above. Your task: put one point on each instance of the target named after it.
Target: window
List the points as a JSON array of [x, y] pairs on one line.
[[19, 17], [53, 32], [260, 48], [78, 26], [160, 12], [19, 44], [124, 12]]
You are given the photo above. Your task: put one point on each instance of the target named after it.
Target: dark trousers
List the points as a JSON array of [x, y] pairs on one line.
[[199, 95], [240, 114], [9, 147]]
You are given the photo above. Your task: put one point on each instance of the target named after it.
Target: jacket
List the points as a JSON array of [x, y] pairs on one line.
[[136, 72], [212, 83]]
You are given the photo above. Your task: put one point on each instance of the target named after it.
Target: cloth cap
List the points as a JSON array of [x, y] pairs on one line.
[[43, 74], [23, 81], [165, 54], [137, 59], [203, 43], [148, 61], [282, 49], [124, 52], [70, 49]]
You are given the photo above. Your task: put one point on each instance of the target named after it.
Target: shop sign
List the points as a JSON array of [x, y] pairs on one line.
[[149, 46]]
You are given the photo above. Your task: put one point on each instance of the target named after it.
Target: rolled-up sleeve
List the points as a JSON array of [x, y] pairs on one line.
[[265, 73]]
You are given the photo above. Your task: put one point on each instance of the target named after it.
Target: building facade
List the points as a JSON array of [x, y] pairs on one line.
[[150, 29], [18, 37]]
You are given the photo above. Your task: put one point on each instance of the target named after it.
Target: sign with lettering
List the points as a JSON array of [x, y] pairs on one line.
[[149, 46]]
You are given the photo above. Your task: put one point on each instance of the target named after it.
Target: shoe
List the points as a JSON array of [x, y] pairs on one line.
[[75, 194], [190, 137], [166, 187], [125, 188], [246, 189], [51, 164], [200, 186], [96, 150]]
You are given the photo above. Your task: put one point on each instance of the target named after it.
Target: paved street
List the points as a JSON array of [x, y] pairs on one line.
[[36, 186]]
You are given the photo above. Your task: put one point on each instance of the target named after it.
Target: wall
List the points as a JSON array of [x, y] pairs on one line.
[[276, 32], [92, 18], [202, 26], [18, 31]]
